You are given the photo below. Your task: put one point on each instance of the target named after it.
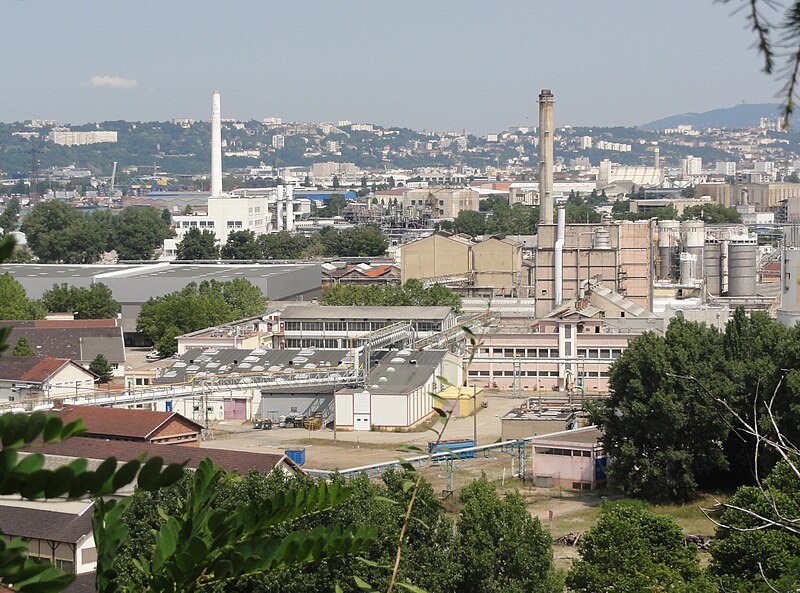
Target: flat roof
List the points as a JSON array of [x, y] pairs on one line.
[[223, 361], [397, 374], [588, 435], [359, 312]]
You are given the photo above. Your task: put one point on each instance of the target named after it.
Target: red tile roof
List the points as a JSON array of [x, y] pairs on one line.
[[121, 422], [237, 461], [377, 271], [35, 369]]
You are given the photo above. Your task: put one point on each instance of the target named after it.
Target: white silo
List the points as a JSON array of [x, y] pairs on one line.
[[742, 256], [789, 311], [668, 231], [694, 239]]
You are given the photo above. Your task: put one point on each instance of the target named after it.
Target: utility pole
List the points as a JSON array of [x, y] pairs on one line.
[[34, 173]]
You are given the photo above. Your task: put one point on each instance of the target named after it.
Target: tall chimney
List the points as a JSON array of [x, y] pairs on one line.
[[279, 208], [289, 208], [657, 162], [216, 146], [546, 102]]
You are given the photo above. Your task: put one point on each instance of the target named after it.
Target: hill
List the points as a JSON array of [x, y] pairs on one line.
[[745, 115]]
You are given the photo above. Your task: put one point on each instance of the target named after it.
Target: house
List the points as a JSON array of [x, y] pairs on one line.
[[26, 378], [80, 340], [56, 532], [398, 391], [379, 274], [139, 425], [570, 459]]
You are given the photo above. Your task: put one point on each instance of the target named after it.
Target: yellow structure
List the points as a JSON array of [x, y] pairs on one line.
[[440, 254], [462, 400]]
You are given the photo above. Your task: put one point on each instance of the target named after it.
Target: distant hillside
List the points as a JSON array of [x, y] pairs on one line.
[[744, 115]]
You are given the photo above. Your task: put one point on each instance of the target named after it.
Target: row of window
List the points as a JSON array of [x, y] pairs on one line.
[[564, 452], [254, 210], [234, 224], [607, 353], [498, 373], [311, 343], [203, 224], [355, 326]]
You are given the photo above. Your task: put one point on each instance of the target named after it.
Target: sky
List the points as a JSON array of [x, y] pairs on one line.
[[425, 64]]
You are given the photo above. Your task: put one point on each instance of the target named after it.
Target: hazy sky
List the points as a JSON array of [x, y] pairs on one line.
[[435, 64]]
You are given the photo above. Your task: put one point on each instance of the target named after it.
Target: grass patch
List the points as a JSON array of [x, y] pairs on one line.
[[689, 516]]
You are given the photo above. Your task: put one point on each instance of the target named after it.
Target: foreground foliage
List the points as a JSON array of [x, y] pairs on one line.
[[632, 550]]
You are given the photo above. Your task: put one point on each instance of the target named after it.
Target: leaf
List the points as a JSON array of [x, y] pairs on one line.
[[150, 474]]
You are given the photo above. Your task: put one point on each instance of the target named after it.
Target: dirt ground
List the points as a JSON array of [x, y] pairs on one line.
[[346, 449]]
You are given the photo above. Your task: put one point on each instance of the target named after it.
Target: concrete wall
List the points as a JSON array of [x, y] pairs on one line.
[[436, 255], [565, 470], [498, 264]]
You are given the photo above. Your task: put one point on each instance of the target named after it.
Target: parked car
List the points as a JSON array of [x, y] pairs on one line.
[[154, 355]]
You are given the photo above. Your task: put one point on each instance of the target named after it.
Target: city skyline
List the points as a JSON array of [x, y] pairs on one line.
[[308, 63]]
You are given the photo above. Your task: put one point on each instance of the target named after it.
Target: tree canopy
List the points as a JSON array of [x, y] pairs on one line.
[[23, 348], [102, 368], [14, 301], [138, 232], [502, 548], [631, 549], [95, 302], [197, 244], [500, 219], [411, 293], [195, 307], [712, 213]]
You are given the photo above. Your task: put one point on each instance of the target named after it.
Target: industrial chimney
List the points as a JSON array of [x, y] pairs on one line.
[[546, 102], [216, 146]]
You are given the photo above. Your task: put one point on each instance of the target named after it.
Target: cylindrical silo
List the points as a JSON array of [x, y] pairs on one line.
[[688, 268], [742, 268], [694, 237], [602, 239], [712, 268], [667, 241]]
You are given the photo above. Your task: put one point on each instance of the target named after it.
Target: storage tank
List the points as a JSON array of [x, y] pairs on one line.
[[712, 267], [688, 268], [742, 268], [602, 239], [694, 239], [667, 243]]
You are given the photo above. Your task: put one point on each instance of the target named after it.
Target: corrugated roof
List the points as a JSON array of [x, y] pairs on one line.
[[238, 461], [121, 422], [40, 524], [397, 374]]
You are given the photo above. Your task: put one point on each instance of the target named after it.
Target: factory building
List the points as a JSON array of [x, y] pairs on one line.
[[132, 285], [316, 326], [397, 394], [492, 267]]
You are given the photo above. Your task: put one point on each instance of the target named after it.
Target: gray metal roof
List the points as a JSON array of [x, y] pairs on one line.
[[244, 361], [397, 374], [358, 312]]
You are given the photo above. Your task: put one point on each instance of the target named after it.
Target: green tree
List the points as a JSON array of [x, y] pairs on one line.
[[662, 431], [14, 302], [470, 223], [58, 233], [283, 245], [23, 348], [10, 215], [95, 302], [102, 368], [501, 547], [196, 307], [241, 245], [138, 232], [712, 213], [361, 241], [412, 293], [581, 213], [632, 550], [166, 216], [336, 184], [199, 245], [746, 550]]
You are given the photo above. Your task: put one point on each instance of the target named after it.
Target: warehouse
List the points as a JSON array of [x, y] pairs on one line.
[[398, 391]]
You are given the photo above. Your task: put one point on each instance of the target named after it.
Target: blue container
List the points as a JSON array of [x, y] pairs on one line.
[[297, 455], [453, 446]]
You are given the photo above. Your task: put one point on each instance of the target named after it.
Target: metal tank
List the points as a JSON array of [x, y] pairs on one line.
[[688, 268], [602, 239], [694, 239], [742, 268], [712, 267], [667, 244]]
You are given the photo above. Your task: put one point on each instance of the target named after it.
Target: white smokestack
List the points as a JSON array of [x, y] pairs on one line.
[[216, 146], [558, 260], [289, 208], [279, 208]]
